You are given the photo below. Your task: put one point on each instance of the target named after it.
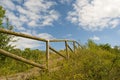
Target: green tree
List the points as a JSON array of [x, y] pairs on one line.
[[2, 14], [5, 39], [91, 44], [105, 47], [116, 49]]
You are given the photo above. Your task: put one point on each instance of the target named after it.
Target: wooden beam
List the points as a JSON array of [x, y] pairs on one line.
[[3, 52], [47, 54], [21, 35], [74, 47], [66, 46], [70, 48], [61, 40], [56, 51], [78, 44]]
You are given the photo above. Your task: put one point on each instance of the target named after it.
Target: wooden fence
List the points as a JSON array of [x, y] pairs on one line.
[[48, 48]]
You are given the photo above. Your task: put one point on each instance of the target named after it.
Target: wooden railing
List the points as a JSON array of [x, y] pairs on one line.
[[48, 48]]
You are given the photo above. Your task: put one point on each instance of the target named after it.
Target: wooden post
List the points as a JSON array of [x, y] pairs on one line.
[[74, 47], [47, 54], [66, 46]]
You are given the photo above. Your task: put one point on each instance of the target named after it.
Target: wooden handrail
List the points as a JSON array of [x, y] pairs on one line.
[[21, 35], [39, 39], [60, 40], [3, 52]]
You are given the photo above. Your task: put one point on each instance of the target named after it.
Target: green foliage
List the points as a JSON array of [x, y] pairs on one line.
[[11, 66], [91, 44], [105, 46], [2, 14], [5, 39], [91, 63]]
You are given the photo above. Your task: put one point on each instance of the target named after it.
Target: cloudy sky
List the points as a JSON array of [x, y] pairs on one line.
[[80, 20]]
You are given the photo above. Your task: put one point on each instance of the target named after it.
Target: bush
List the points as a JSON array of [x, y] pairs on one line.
[[91, 63]]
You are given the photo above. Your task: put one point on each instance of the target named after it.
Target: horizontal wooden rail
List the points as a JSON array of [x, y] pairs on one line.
[[21, 35], [3, 52], [61, 40], [56, 51], [47, 47]]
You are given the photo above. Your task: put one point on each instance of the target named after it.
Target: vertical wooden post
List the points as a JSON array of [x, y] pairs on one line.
[[74, 47], [66, 46], [47, 54]]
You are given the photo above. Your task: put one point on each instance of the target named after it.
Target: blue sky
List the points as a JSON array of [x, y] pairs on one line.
[[80, 20]]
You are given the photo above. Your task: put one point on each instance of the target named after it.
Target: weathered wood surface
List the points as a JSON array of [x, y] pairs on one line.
[[70, 48], [60, 40], [21, 35], [56, 52], [47, 54], [21, 59], [74, 46], [66, 45], [78, 44], [75, 43]]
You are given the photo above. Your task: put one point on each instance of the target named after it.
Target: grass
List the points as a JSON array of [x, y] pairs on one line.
[[10, 66], [89, 63]]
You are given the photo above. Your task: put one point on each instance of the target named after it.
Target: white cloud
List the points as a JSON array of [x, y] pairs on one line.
[[39, 35], [32, 24], [115, 23], [8, 4], [23, 43], [45, 36], [95, 14], [35, 13], [49, 19], [95, 38], [65, 1]]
